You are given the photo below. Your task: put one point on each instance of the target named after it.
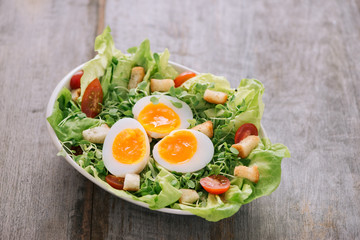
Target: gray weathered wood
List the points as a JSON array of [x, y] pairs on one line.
[[41, 197], [305, 52]]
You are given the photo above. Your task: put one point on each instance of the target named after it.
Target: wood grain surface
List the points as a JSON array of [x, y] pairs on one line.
[[305, 52]]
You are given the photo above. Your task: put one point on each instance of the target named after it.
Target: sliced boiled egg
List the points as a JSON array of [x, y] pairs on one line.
[[161, 118], [184, 150], [126, 148]]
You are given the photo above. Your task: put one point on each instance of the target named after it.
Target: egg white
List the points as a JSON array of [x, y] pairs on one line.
[[184, 112], [115, 167], [203, 155]]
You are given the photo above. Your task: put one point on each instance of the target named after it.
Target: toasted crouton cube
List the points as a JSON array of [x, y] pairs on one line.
[[215, 97], [251, 173], [188, 196], [96, 134], [246, 145], [132, 182], [75, 94], [206, 128], [137, 76], [161, 85]]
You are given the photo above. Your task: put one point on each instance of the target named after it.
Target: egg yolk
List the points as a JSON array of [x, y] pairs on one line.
[[159, 118], [178, 148], [129, 146]]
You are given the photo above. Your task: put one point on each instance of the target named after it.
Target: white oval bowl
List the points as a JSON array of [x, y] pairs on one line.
[[65, 82]]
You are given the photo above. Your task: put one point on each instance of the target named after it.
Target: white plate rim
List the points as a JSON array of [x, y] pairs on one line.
[[65, 82]]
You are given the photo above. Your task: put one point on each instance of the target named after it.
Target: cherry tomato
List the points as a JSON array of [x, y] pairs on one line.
[[215, 184], [183, 77], [244, 131], [75, 79], [115, 182], [93, 96]]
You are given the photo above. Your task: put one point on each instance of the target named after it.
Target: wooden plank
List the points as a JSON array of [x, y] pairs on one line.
[[304, 53], [41, 196], [311, 90]]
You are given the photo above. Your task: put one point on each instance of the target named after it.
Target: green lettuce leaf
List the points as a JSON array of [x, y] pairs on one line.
[[249, 94], [58, 115], [267, 157], [76, 122], [106, 80], [141, 56], [122, 71], [216, 83], [216, 208], [239, 196], [73, 128], [95, 68], [164, 70], [168, 195]]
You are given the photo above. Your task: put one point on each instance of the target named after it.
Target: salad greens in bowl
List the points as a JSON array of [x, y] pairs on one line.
[[163, 136]]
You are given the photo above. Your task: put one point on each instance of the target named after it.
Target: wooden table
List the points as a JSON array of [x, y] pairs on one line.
[[305, 52]]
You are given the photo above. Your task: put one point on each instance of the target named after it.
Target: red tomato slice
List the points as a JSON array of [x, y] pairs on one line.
[[93, 96], [75, 79], [215, 184], [244, 131], [183, 77], [115, 182]]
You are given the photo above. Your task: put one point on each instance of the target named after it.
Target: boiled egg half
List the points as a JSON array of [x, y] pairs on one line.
[[184, 151], [160, 114], [126, 148]]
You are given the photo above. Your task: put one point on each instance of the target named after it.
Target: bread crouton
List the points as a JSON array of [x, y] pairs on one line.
[[246, 145], [188, 196], [206, 128], [215, 97], [96, 134], [137, 76], [75, 94], [251, 173], [161, 85], [132, 182]]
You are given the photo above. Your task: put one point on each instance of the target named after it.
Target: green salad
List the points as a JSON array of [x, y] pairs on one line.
[[237, 167]]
